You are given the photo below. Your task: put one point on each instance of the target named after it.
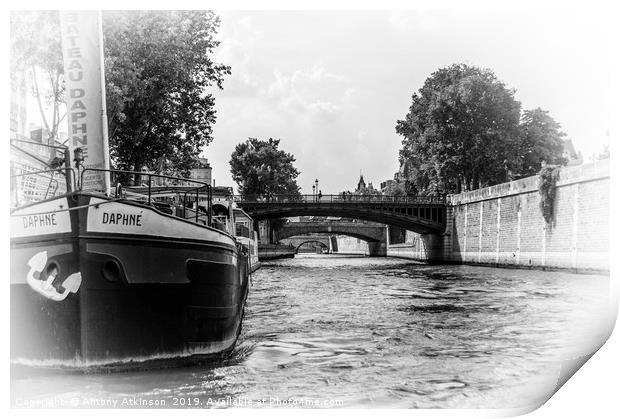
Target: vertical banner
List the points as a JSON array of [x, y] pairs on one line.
[[82, 49]]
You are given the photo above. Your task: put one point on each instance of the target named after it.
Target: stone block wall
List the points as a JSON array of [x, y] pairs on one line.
[[503, 225]]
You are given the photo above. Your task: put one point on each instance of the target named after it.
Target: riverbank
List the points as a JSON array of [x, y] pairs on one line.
[[409, 252], [275, 251], [503, 225]]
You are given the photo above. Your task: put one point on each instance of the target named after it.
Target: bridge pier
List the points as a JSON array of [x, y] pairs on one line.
[[333, 244], [430, 247], [377, 249]]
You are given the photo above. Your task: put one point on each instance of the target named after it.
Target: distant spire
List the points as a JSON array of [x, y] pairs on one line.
[[361, 184]]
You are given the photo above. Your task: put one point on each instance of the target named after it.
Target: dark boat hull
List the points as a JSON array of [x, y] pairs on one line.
[[143, 294]]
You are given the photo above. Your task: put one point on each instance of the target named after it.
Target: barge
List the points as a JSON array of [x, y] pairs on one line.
[[146, 273], [113, 267]]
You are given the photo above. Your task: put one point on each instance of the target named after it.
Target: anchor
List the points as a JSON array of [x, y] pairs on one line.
[[46, 288]]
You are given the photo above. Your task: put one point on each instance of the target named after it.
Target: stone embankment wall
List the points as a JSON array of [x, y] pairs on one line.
[[274, 251], [502, 225]]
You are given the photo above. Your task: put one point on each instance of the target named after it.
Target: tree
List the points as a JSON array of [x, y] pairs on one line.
[[540, 140], [261, 170], [460, 131], [395, 188], [158, 73], [36, 53], [158, 70]]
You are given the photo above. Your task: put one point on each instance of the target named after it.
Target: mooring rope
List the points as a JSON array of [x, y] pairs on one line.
[[66, 209]]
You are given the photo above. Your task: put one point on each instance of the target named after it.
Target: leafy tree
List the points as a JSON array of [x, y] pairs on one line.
[[395, 189], [261, 170], [158, 73], [37, 55], [460, 131], [540, 140]]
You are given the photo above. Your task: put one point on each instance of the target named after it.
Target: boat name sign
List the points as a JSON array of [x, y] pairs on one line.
[[122, 219], [50, 217]]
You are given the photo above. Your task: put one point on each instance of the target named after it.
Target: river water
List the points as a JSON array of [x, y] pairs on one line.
[[345, 331]]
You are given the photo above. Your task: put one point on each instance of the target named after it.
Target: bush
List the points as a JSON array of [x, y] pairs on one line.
[[547, 178]]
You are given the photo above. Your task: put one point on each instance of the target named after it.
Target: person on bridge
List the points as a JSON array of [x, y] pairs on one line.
[[320, 195]]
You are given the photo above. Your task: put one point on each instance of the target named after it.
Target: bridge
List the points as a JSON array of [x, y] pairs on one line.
[[373, 233], [421, 214], [296, 242], [370, 232]]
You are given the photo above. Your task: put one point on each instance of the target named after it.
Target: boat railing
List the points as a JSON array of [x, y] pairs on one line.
[[30, 186], [157, 189], [39, 171]]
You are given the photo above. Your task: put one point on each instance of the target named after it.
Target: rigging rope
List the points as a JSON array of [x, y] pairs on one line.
[[67, 209]]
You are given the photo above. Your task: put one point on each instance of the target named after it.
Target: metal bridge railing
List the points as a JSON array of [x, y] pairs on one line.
[[340, 199]]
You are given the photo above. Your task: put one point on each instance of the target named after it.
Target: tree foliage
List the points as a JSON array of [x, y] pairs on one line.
[[540, 141], [395, 189], [36, 53], [158, 73], [463, 132], [547, 179], [261, 170]]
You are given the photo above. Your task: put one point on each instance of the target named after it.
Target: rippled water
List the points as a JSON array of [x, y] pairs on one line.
[[373, 332]]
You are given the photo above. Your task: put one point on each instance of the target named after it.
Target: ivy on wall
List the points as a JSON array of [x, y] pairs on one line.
[[547, 178]]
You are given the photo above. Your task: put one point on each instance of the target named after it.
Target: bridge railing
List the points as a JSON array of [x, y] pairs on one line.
[[341, 199]]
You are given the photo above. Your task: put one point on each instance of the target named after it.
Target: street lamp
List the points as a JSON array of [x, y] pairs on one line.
[[316, 183], [313, 187]]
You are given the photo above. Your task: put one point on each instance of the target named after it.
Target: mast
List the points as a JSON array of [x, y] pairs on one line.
[[104, 114], [82, 48]]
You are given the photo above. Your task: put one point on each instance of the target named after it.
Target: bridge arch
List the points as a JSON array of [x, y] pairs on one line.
[[360, 231], [374, 234], [323, 245], [420, 214]]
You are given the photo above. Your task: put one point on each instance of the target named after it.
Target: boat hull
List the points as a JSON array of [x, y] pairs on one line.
[[164, 288]]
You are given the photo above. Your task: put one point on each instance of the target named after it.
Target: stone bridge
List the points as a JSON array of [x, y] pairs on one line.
[[297, 241], [370, 232], [421, 214], [375, 234]]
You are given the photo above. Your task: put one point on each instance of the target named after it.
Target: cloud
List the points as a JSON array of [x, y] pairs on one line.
[[316, 93], [424, 21], [399, 20], [239, 36]]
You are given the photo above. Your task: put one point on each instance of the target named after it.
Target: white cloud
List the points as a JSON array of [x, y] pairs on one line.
[[399, 20], [239, 37], [316, 93], [425, 21]]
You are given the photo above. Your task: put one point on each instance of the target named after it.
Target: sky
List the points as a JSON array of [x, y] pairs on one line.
[[332, 84]]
